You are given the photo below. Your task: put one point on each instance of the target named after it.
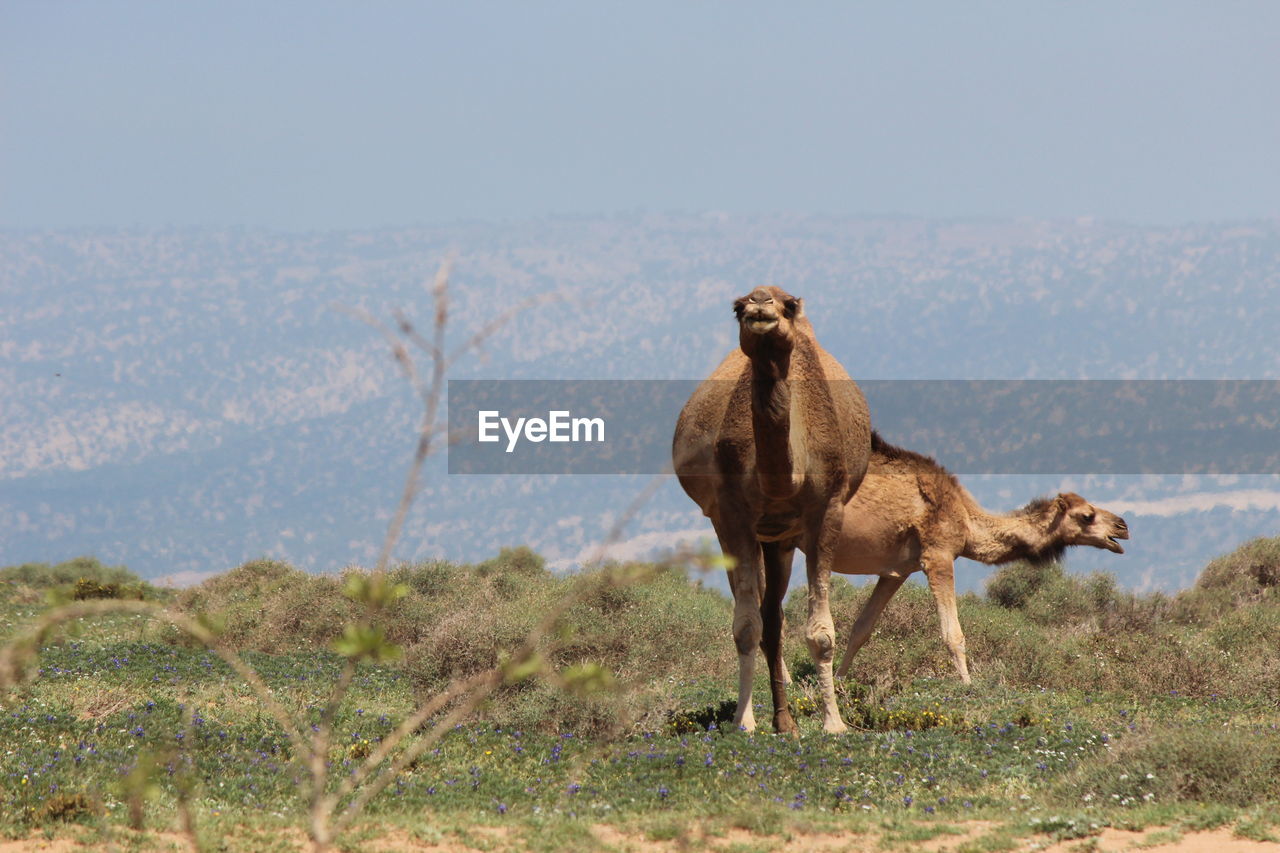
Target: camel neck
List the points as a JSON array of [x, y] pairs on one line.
[[995, 539], [771, 421]]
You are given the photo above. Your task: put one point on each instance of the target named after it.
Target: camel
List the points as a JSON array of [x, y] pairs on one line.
[[771, 447], [912, 514]]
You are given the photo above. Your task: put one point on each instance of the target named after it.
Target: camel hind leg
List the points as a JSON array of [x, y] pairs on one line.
[[886, 586], [820, 632]]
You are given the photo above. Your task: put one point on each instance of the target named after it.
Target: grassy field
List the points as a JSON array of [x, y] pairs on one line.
[[1091, 708]]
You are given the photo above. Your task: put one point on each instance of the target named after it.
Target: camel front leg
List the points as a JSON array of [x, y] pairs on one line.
[[940, 570], [777, 577], [745, 580], [870, 615], [820, 632]]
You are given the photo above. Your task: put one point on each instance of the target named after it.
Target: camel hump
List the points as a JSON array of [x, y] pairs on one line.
[[891, 452], [879, 445]]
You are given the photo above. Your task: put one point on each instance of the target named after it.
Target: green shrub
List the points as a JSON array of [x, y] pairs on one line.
[[521, 561], [87, 589], [1249, 575], [1129, 613], [1188, 763], [1014, 584], [864, 715], [431, 579], [1065, 632], [701, 719], [269, 606], [1102, 592], [67, 807], [70, 572], [648, 635], [659, 637], [1252, 567]]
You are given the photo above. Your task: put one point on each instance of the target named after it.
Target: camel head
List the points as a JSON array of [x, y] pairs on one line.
[[1075, 521], [767, 314]]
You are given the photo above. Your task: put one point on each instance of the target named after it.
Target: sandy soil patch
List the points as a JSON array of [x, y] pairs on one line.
[[1118, 840], [150, 841]]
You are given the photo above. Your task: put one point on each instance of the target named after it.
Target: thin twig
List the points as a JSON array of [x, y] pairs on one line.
[[467, 693], [490, 328], [321, 831], [411, 724], [398, 349], [479, 687], [388, 775], [186, 778]]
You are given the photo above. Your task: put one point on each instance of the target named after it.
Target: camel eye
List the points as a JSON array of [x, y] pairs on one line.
[[1088, 517]]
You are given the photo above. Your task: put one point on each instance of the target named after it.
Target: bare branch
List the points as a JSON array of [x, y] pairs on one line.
[[492, 327], [415, 337], [431, 393], [388, 775], [410, 725], [398, 350]]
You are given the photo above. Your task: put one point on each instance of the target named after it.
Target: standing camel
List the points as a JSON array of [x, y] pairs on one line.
[[912, 514], [771, 447]]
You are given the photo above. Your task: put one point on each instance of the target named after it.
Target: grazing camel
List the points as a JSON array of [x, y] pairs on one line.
[[912, 514], [771, 447]]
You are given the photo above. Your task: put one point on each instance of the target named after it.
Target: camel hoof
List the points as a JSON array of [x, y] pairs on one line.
[[785, 724], [835, 728]]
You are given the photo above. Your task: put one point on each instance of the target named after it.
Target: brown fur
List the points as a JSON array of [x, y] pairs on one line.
[[771, 447], [911, 514]]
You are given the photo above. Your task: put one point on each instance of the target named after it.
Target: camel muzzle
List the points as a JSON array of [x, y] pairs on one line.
[[760, 319], [1119, 530]]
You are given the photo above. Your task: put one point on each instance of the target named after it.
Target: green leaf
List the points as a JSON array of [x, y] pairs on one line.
[[214, 623], [513, 672], [56, 596], [375, 590], [365, 641], [585, 679], [357, 587]]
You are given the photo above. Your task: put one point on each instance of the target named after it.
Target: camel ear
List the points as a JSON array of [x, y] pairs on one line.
[[793, 307], [1059, 507], [739, 306]]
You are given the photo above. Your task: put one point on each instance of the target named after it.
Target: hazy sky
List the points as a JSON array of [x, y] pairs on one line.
[[330, 115]]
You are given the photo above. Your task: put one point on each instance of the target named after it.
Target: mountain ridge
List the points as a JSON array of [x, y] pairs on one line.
[[214, 366]]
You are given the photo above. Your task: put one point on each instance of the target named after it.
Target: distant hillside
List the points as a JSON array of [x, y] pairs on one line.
[[181, 401]]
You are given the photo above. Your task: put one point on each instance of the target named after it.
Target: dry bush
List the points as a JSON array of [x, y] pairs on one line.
[[1067, 632], [1249, 575], [647, 635], [269, 606], [1189, 763], [1013, 585], [1042, 627], [458, 620], [44, 575]]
